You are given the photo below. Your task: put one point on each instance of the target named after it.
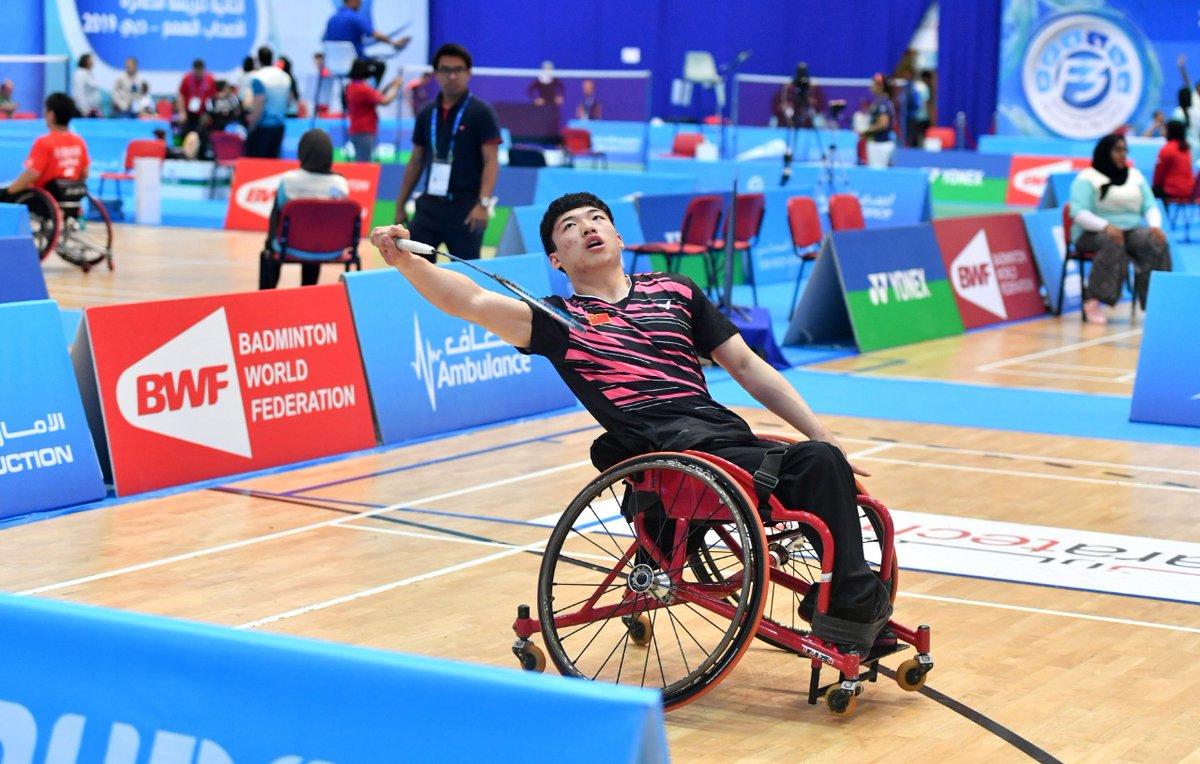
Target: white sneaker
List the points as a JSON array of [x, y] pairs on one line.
[[1094, 312]]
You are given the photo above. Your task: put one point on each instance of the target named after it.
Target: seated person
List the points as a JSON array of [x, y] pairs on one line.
[[7, 104], [637, 371], [546, 89], [1173, 178], [1114, 215], [314, 180], [226, 107], [59, 155]]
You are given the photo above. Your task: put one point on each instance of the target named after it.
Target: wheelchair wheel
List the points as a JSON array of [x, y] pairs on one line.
[[618, 601], [87, 242], [45, 219], [793, 550]]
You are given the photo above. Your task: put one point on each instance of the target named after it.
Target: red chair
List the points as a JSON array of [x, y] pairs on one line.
[[944, 134], [24, 115], [1081, 256], [695, 235], [685, 145], [748, 212], [142, 147], [577, 142], [845, 213], [318, 231], [227, 149], [165, 109], [805, 225]]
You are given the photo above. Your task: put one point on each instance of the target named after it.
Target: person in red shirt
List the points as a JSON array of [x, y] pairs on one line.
[[1173, 177], [57, 155], [194, 100], [361, 103]]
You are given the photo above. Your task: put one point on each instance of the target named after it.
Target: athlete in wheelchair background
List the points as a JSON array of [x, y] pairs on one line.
[[693, 513], [53, 186]]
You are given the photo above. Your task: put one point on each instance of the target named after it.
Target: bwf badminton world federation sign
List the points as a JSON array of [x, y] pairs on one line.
[[1047, 556], [990, 267], [209, 386]]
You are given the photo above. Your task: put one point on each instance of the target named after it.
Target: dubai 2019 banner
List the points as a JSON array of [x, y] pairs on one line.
[[166, 35], [1083, 68]]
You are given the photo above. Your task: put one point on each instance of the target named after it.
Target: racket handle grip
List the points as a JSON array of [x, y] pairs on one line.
[[415, 247]]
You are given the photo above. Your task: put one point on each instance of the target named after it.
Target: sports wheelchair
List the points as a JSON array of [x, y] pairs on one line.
[[56, 217], [658, 574]]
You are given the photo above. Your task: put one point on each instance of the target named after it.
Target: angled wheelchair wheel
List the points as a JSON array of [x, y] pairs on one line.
[[45, 219], [794, 550], [86, 243], [618, 601]]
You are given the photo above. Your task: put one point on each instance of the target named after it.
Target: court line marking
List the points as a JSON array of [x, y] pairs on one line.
[[390, 586], [1054, 375], [1080, 366], [1061, 349], [1040, 475], [293, 531], [1045, 611], [1027, 457]]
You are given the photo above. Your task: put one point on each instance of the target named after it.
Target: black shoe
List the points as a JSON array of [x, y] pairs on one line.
[[808, 604]]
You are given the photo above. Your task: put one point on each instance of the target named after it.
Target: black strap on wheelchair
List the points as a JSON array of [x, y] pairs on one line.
[[845, 632], [766, 477]]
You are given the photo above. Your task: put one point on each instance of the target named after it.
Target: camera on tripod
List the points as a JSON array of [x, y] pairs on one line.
[[801, 83]]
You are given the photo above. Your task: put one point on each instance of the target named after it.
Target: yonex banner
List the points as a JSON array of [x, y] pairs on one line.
[[880, 288], [255, 182], [1045, 231], [1167, 388], [99, 685], [990, 267], [47, 458], [959, 176], [208, 386], [22, 269], [431, 373], [1028, 175]]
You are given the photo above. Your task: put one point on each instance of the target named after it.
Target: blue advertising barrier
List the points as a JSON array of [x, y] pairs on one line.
[[553, 182], [47, 457], [431, 373], [1142, 151], [523, 232], [992, 165], [22, 269], [1167, 387], [1058, 190], [95, 684], [1045, 231], [14, 220]]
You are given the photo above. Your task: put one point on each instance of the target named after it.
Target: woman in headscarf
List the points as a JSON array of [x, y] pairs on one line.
[[315, 179], [1115, 216]]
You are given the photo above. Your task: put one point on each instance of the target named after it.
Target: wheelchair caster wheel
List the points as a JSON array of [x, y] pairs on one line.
[[841, 702], [531, 657], [910, 675], [640, 629]]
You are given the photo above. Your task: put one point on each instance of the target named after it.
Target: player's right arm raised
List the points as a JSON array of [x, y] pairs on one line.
[[509, 319]]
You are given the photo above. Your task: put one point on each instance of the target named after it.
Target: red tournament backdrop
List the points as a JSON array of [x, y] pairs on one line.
[[252, 192], [991, 268], [208, 386], [1027, 176]]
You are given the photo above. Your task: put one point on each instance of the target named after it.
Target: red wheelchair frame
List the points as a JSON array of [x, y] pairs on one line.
[[58, 227], [702, 497]]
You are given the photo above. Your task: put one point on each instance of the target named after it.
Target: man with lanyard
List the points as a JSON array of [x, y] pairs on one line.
[[637, 370], [349, 25], [454, 159]]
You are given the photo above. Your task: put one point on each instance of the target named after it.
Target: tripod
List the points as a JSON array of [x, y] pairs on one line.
[[812, 136]]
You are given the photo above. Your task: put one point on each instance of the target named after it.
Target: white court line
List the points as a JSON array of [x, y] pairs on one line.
[[1084, 366], [1127, 377], [1054, 375], [1026, 457], [1055, 351], [1043, 611], [299, 529], [389, 587], [1041, 475], [428, 536]]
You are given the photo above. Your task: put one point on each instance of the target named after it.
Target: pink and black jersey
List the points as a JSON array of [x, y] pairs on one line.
[[637, 369]]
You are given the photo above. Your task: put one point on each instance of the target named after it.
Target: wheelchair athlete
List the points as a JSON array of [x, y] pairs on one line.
[[59, 157], [637, 371]]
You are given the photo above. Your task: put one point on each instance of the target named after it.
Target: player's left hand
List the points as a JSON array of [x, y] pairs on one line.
[[833, 441], [477, 218]]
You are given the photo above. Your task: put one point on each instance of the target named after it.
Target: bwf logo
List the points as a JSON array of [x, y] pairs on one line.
[[187, 389]]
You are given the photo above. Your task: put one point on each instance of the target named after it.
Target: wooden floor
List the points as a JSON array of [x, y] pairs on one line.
[[428, 549]]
